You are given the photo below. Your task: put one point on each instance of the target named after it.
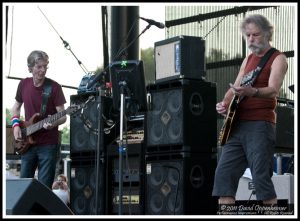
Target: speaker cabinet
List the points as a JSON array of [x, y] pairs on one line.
[[84, 193], [182, 112], [181, 179], [84, 125], [28, 196], [285, 128], [180, 57], [132, 181]]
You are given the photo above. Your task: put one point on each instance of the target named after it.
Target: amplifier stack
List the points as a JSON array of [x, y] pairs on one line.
[[88, 166], [180, 137]]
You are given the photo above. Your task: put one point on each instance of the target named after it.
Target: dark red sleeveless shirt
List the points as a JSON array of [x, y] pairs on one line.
[[256, 108]]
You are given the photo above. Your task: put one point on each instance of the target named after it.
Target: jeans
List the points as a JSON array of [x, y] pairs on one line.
[[42, 158]]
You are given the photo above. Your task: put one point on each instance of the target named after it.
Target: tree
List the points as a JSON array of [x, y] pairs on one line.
[[65, 137], [216, 55]]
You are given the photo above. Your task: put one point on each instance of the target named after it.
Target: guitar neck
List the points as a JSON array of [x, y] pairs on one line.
[[39, 125]]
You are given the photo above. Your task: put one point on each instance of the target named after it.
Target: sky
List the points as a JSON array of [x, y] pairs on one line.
[[40, 26]]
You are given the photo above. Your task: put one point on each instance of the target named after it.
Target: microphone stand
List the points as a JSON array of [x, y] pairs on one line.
[[121, 150], [103, 73], [118, 55], [100, 132], [121, 147]]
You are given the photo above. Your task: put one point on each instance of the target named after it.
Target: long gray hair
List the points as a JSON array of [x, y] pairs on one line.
[[261, 22]]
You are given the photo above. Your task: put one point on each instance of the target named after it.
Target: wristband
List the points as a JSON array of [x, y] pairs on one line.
[[15, 121], [15, 125]]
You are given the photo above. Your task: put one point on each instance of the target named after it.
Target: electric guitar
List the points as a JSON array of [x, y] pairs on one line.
[[229, 120], [33, 125], [230, 116]]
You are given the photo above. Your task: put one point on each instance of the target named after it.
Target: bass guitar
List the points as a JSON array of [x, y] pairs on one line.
[[33, 125]]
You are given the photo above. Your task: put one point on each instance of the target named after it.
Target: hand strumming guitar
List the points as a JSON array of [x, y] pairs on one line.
[[17, 133], [221, 108]]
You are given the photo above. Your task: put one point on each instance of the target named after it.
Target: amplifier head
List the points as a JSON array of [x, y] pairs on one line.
[[180, 57]]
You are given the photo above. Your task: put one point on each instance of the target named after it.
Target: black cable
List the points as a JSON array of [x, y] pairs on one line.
[[252, 193], [66, 44], [120, 51], [214, 26]]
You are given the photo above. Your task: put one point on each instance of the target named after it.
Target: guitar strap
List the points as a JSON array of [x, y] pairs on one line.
[[262, 63], [46, 94]]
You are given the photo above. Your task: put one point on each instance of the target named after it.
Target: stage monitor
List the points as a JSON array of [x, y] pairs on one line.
[[129, 74]]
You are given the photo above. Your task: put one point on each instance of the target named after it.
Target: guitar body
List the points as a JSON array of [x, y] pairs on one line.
[[21, 146], [229, 121], [35, 123]]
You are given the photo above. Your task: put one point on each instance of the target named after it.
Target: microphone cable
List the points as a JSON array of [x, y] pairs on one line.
[[66, 44]]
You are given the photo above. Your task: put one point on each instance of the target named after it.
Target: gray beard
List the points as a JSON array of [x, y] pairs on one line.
[[257, 49]]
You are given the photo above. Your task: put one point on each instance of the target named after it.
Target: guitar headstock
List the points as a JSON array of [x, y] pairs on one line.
[[74, 108]]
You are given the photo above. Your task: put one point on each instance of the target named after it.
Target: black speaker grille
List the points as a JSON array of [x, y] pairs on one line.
[[84, 125], [183, 179], [285, 128], [182, 114], [83, 187]]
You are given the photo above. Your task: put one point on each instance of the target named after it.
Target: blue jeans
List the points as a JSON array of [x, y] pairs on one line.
[[42, 158]]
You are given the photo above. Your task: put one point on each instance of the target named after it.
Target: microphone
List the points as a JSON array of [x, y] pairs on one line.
[[152, 22]]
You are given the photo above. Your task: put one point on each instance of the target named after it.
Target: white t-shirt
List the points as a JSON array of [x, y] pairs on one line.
[[62, 194]]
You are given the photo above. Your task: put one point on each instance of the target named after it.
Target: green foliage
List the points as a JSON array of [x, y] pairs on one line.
[[65, 137], [216, 55], [8, 116], [147, 56]]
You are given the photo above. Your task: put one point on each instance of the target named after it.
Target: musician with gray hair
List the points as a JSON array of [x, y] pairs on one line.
[[248, 134], [36, 140]]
